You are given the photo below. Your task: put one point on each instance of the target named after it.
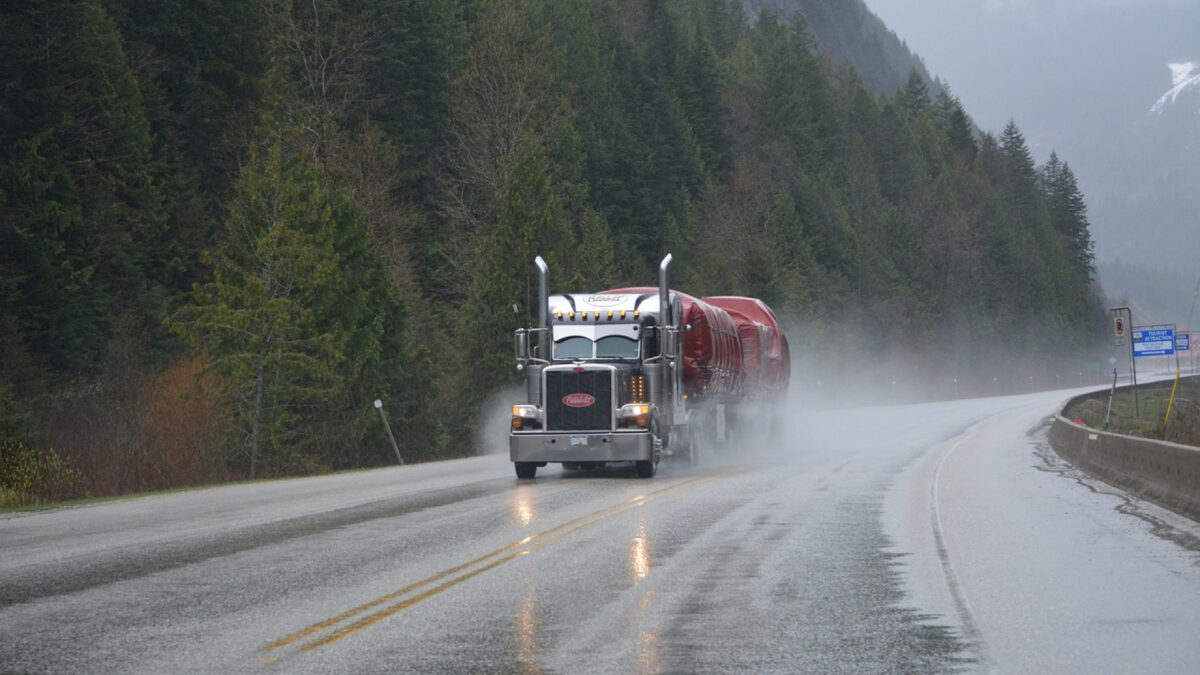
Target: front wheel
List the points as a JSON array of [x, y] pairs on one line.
[[526, 469], [646, 468]]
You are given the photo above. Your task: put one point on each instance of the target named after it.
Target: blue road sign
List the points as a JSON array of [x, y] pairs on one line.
[[1183, 342], [1154, 341]]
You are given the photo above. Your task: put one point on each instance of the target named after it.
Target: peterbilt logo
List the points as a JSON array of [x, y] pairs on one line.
[[578, 400], [604, 300]]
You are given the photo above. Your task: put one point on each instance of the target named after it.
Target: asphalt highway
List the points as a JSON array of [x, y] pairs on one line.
[[941, 537]]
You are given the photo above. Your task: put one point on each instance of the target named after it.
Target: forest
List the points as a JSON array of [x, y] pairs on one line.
[[229, 226]]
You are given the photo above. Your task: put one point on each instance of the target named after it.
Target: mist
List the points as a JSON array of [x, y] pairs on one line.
[[839, 365], [495, 420]]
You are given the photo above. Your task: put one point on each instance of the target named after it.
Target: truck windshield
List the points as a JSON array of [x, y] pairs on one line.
[[616, 347], [576, 347], [609, 347]]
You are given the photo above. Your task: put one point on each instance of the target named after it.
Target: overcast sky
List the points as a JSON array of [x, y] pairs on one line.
[[1049, 63]]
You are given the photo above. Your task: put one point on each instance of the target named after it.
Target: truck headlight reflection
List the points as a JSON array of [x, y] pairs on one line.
[[528, 637], [523, 511], [639, 554]]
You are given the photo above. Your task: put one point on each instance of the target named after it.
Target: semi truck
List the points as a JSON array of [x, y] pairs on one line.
[[639, 373]]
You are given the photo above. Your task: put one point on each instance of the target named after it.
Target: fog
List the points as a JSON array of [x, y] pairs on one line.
[[495, 420], [843, 366], [852, 363]]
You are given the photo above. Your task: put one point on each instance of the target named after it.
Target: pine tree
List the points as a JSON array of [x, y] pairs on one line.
[[83, 223], [199, 65], [957, 126], [1017, 175], [899, 167], [788, 88], [698, 84], [299, 310], [595, 251], [914, 97], [407, 73], [1068, 215]]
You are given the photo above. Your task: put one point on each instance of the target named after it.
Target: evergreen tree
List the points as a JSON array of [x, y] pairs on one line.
[[914, 97], [298, 309], [407, 71], [698, 84], [199, 65], [255, 319], [1017, 175], [787, 94], [83, 226], [957, 126], [780, 271], [1015, 152], [899, 167], [596, 251], [1068, 215]]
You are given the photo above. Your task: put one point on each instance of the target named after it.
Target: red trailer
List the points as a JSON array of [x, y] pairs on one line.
[[766, 359], [712, 348]]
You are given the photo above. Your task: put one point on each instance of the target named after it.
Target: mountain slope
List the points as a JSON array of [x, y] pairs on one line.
[[850, 32]]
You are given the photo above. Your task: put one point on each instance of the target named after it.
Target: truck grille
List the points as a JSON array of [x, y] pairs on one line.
[[561, 384]]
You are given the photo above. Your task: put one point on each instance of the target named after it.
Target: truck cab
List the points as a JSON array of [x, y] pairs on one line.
[[601, 383]]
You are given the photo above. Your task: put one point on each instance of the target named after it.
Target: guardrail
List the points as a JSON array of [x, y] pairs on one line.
[[1165, 473]]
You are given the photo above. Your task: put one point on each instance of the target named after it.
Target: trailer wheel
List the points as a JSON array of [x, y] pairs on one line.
[[526, 469]]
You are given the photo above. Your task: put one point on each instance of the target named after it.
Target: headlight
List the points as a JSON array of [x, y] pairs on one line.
[[634, 414], [526, 416]]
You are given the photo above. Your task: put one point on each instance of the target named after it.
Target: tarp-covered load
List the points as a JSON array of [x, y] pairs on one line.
[[766, 359], [712, 348]]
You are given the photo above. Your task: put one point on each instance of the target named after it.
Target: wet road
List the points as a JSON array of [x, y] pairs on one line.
[[932, 538]]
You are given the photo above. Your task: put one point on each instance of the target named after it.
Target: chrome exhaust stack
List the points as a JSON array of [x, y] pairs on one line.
[[664, 288], [543, 308]]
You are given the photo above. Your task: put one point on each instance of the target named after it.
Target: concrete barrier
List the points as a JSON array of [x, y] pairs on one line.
[[1167, 474]]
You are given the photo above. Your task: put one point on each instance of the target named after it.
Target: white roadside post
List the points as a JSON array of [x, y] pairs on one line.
[[379, 407]]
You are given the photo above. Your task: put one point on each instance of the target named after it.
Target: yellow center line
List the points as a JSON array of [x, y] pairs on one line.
[[375, 618], [501, 555]]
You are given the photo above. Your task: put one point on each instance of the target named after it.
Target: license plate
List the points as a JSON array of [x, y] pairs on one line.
[[579, 440]]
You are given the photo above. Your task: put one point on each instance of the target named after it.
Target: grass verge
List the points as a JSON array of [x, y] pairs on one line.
[[1147, 415]]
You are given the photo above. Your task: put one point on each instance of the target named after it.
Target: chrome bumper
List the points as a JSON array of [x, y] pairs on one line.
[[608, 446]]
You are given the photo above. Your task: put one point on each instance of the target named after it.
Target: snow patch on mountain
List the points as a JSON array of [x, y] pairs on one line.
[[1184, 76]]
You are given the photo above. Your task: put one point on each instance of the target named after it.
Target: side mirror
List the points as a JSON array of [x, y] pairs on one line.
[[670, 342], [521, 344]]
